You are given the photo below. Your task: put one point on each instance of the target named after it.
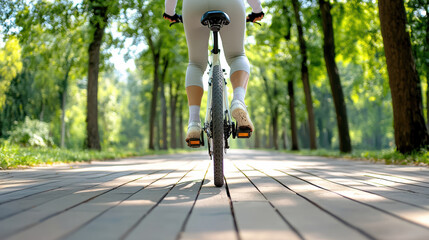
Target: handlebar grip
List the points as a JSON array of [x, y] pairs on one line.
[[251, 17]]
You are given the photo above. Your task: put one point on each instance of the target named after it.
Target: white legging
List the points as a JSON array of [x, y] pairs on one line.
[[197, 36]]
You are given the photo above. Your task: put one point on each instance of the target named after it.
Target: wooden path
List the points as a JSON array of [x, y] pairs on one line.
[[267, 196]]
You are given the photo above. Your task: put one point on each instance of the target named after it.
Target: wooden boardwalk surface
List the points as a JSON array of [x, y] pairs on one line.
[[266, 196]]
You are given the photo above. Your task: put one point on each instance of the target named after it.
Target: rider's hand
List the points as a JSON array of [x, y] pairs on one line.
[[172, 19], [254, 17]]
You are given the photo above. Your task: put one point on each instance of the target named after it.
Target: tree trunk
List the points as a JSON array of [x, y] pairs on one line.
[[378, 134], [173, 101], [257, 139], [153, 104], [293, 127], [181, 139], [284, 138], [42, 111], [274, 121], [164, 144], [304, 76], [334, 77], [63, 95], [271, 95], [156, 57], [410, 129], [427, 69], [98, 23], [63, 115]]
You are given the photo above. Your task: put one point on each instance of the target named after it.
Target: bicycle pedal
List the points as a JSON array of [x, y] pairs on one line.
[[244, 132], [194, 143]]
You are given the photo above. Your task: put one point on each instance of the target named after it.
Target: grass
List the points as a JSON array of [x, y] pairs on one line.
[[388, 156], [14, 156]]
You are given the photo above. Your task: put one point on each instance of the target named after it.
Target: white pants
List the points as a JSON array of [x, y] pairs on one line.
[[197, 36]]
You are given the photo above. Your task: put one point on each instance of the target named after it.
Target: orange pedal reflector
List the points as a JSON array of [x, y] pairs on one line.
[[243, 134], [194, 143]]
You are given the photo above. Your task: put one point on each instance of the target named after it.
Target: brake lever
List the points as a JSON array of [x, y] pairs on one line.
[[171, 24], [248, 20]]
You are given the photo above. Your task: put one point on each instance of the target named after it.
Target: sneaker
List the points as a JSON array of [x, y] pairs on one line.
[[239, 113], [194, 131]]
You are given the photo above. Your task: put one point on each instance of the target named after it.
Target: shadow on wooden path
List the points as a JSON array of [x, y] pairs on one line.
[[266, 196]]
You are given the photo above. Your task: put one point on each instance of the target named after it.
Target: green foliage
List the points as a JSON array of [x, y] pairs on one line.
[[32, 133], [10, 66], [14, 156], [43, 57], [387, 156]]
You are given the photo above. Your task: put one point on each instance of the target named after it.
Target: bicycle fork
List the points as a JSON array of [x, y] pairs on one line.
[[228, 123]]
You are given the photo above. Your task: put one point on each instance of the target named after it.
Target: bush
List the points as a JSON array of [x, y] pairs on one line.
[[33, 133]]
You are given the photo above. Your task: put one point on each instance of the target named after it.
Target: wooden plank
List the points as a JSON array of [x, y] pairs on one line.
[[211, 217], [166, 220], [14, 207], [413, 180], [307, 219], [19, 183], [374, 187], [259, 220], [49, 186], [68, 221], [366, 219], [401, 210], [76, 176], [374, 180], [6, 192], [240, 188], [37, 214], [255, 216], [129, 212]]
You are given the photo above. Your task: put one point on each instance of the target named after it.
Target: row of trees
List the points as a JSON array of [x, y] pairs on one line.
[[318, 79]]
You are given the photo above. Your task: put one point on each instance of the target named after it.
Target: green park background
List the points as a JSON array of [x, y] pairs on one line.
[[51, 49]]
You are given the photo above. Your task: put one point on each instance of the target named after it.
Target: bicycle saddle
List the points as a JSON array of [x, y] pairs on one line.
[[215, 20]]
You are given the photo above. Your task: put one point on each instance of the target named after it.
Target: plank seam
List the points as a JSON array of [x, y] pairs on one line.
[[182, 229], [356, 188], [365, 204], [62, 211], [295, 230], [98, 215], [152, 208], [361, 231], [231, 206]]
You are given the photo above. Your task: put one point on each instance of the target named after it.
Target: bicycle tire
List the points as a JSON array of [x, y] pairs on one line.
[[218, 128]]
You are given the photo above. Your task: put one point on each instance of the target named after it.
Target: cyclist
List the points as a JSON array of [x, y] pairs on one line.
[[197, 37]]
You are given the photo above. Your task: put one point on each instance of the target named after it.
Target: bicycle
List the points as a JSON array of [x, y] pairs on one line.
[[218, 124]]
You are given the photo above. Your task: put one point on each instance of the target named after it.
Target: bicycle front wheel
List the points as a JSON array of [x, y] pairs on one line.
[[217, 121]]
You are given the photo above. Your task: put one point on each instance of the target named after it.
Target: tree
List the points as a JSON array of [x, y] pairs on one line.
[[334, 77], [292, 114], [149, 26], [410, 130], [10, 66], [418, 20], [98, 21], [305, 76]]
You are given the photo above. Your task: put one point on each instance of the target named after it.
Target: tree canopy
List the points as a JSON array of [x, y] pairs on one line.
[[45, 73]]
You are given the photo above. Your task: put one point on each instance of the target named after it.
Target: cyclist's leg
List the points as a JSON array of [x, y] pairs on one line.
[[233, 44], [197, 37]]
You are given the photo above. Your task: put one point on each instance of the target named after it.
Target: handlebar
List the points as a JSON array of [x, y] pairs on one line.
[[178, 18], [248, 20]]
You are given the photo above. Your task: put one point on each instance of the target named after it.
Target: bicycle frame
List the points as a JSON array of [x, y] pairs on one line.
[[215, 61]]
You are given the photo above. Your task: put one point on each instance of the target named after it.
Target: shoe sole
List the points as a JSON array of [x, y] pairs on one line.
[[242, 119], [192, 137]]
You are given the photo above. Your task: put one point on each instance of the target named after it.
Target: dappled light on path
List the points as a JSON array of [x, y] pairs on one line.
[[266, 196]]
